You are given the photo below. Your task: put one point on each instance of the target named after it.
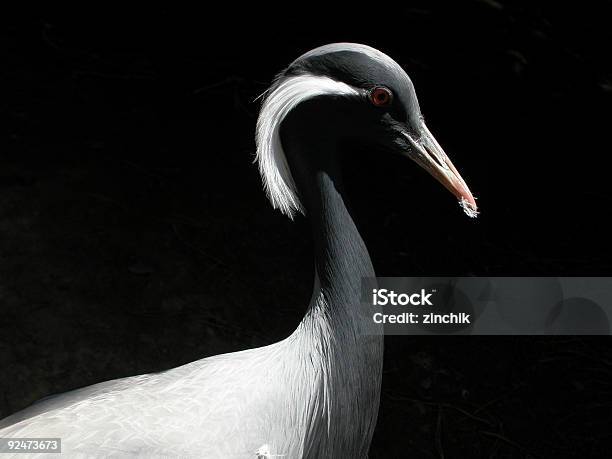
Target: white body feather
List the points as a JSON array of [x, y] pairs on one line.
[[294, 397]]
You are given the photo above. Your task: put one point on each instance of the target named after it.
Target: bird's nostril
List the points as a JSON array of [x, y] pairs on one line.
[[435, 157]]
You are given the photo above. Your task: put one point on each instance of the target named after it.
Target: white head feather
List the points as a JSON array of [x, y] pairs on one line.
[[276, 175]]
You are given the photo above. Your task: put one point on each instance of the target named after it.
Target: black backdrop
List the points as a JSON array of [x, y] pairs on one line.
[[136, 237]]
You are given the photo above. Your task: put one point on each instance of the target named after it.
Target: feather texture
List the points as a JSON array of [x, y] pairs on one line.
[[291, 397], [284, 95]]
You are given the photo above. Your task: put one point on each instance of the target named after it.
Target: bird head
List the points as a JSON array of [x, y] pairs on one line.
[[342, 93]]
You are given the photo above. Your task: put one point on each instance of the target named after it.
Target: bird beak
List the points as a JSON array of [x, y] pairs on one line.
[[428, 154]]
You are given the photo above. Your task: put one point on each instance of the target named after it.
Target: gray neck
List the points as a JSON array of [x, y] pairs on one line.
[[342, 260], [335, 327], [341, 257], [338, 341]]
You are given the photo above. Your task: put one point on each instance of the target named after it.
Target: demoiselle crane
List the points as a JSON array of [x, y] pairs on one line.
[[316, 393]]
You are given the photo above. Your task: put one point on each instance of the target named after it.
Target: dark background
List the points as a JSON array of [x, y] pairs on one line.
[[135, 235]]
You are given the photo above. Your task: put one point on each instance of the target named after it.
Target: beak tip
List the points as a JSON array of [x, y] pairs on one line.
[[469, 206], [429, 155]]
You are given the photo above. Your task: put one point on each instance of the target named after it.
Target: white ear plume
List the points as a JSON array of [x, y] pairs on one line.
[[278, 102]]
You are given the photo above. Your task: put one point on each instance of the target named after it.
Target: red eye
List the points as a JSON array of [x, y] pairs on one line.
[[381, 97]]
